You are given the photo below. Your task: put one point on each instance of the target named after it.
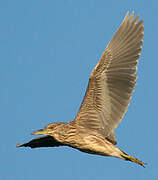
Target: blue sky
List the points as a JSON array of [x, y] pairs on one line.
[[48, 50]]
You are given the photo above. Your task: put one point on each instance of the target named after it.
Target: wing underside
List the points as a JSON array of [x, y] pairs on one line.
[[44, 141], [112, 81]]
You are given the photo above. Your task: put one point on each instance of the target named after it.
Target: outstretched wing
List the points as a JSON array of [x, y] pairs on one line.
[[44, 141], [112, 81]]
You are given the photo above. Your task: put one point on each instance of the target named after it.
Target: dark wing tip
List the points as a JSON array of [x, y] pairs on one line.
[[18, 145], [44, 141]]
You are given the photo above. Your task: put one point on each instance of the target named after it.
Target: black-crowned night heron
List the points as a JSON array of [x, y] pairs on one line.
[[109, 91]]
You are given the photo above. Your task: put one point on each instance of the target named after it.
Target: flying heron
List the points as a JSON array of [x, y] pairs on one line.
[[106, 100]]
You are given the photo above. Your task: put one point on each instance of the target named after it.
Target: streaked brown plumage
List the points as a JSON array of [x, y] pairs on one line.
[[109, 91]]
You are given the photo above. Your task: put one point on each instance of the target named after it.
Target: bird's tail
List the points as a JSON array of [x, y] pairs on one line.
[[133, 159]]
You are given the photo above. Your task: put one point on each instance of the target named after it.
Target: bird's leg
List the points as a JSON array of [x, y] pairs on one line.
[[133, 159]]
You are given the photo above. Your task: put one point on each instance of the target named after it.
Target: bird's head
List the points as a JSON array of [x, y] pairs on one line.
[[48, 130]]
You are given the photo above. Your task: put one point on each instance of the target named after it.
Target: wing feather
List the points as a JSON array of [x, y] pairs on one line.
[[44, 141], [112, 81]]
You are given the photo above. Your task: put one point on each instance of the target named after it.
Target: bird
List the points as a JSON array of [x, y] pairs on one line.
[[110, 87]]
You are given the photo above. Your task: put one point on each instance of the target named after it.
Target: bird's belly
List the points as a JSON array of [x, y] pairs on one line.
[[96, 145]]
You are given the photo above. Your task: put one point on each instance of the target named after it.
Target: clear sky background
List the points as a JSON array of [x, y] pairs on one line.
[[47, 52]]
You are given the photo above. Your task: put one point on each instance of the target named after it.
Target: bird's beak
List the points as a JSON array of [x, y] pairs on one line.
[[40, 132]]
